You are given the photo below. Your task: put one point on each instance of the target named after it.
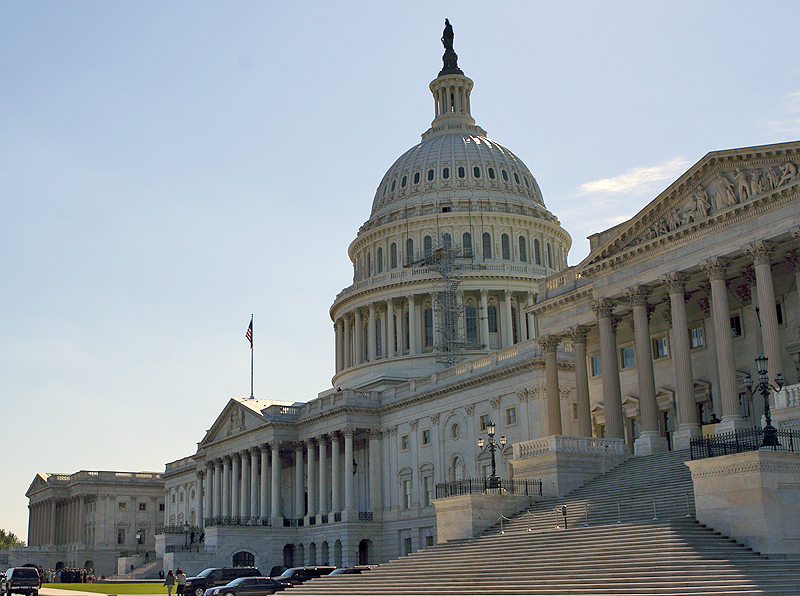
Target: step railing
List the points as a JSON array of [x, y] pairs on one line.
[[746, 439]]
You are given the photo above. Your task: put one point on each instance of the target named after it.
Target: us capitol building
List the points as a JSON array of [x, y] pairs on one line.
[[462, 311]]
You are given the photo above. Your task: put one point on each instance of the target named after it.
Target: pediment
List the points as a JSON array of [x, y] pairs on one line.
[[39, 482], [711, 192], [236, 418]]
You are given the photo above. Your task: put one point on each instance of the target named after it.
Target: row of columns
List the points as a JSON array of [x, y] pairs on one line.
[[349, 328], [234, 487], [650, 440], [56, 521]]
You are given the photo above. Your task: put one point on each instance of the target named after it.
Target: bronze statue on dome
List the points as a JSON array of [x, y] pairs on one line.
[[450, 59]]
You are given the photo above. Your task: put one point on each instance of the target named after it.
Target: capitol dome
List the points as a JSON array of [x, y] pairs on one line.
[[450, 257]]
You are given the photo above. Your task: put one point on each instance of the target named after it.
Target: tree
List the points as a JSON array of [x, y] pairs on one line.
[[8, 539]]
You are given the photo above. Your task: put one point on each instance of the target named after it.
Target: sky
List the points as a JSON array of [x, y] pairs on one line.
[[169, 168]]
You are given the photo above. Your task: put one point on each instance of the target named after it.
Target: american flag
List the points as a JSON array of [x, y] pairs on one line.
[[249, 334]]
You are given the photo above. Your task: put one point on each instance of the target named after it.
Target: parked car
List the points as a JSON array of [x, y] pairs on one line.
[[248, 586], [350, 570], [20, 580], [297, 575], [217, 576]]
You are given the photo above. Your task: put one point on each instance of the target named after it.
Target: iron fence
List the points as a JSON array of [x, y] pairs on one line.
[[746, 439], [474, 486]]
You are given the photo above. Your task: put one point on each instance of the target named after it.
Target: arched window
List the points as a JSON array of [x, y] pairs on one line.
[[505, 176], [380, 259], [369, 265], [458, 468], [506, 246], [416, 177], [487, 245], [491, 173], [447, 240], [409, 250], [476, 172], [549, 256], [430, 175], [466, 244], [462, 173], [491, 315], [471, 315], [516, 177], [427, 245], [537, 256], [428, 327], [523, 253], [379, 337], [393, 255], [244, 559], [403, 182], [445, 173]]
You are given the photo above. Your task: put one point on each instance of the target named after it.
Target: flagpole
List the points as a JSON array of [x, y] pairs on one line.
[[251, 357]]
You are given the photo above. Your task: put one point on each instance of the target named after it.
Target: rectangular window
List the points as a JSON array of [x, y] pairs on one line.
[[428, 541], [511, 416], [472, 324], [779, 312], [120, 535], [122, 506], [407, 546], [407, 494], [696, 337], [484, 421], [428, 496], [404, 444], [628, 358], [141, 537], [660, 347], [161, 507], [426, 436], [736, 326], [181, 498], [142, 506], [597, 368]]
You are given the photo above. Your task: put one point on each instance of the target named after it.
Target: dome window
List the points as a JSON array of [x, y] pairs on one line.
[[416, 178], [430, 175], [516, 177], [505, 175], [393, 183], [523, 253], [403, 182], [525, 178], [445, 173], [384, 189], [506, 247], [476, 171], [491, 173], [487, 245], [462, 173]]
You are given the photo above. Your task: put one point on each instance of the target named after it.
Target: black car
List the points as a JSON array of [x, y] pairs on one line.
[[248, 586], [21, 580], [217, 576], [350, 570], [297, 575]]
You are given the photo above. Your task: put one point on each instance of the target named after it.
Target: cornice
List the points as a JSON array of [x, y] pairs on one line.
[[565, 300]]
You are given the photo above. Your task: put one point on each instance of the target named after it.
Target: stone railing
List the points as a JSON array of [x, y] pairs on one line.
[[788, 397], [564, 444]]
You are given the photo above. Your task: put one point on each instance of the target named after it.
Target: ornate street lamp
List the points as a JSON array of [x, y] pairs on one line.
[[764, 386], [492, 446], [186, 534]]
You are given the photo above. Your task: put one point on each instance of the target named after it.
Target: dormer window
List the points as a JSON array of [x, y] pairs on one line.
[[476, 171], [416, 177], [505, 175], [491, 174], [445, 173], [430, 175], [403, 182], [462, 173]]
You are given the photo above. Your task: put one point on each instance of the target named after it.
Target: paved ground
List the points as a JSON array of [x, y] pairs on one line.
[[57, 592]]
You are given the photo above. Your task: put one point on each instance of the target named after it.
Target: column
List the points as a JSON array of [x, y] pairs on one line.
[[728, 393], [389, 331], [549, 344], [508, 322], [276, 512], [244, 485], [79, 529], [299, 484], [254, 509], [263, 506], [462, 317], [201, 494], [375, 476], [348, 352], [484, 318], [235, 484], [207, 493], [218, 508], [530, 299], [761, 254], [650, 440], [336, 506], [339, 330], [401, 329], [226, 486], [51, 531], [435, 307], [359, 337], [688, 422], [412, 325], [322, 505], [349, 488], [578, 334], [372, 334], [612, 394], [312, 487]]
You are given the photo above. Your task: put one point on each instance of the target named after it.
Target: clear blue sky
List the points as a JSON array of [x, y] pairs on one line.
[[169, 168]]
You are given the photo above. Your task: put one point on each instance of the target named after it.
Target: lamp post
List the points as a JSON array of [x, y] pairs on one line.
[[492, 445], [764, 387], [186, 535]]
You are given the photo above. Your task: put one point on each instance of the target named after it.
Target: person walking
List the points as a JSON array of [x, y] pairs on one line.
[[169, 581], [180, 579]]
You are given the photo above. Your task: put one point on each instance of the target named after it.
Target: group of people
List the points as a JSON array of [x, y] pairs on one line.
[[67, 575], [177, 580]]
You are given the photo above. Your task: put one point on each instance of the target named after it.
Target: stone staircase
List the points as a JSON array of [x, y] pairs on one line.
[[638, 541]]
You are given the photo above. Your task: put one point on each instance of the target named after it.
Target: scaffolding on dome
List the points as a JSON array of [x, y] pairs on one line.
[[444, 259]]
